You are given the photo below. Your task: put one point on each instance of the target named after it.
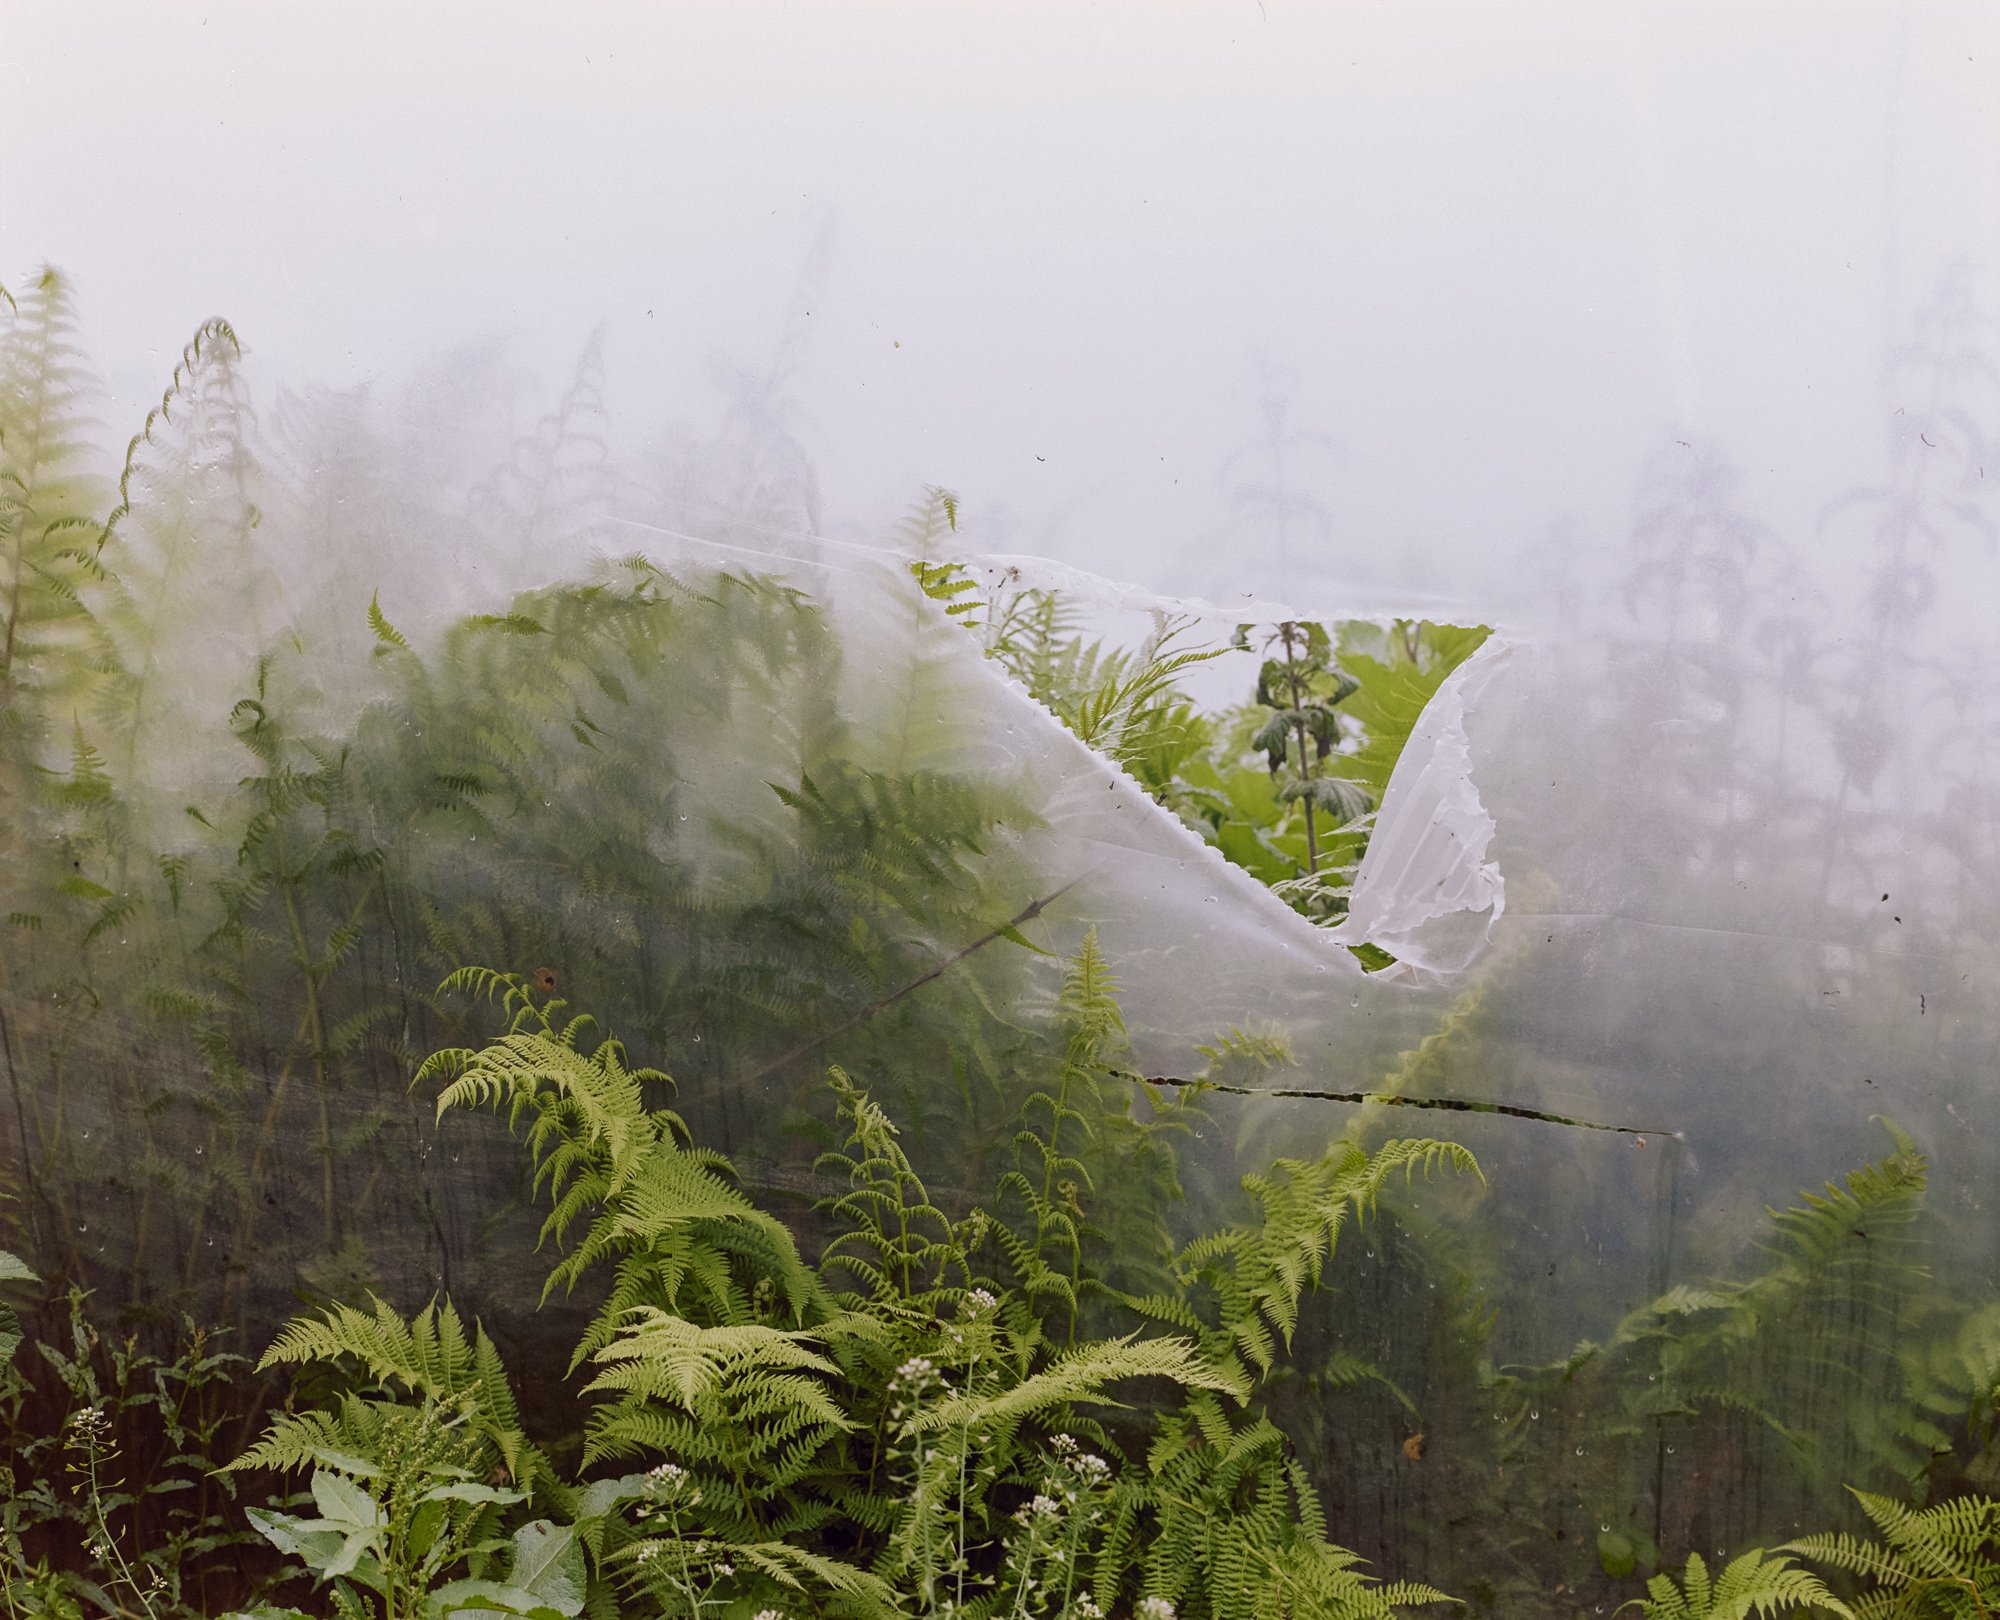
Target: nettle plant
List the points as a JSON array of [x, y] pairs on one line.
[[973, 1412], [1285, 785]]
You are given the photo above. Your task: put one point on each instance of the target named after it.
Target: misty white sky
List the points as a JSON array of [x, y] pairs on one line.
[[1504, 253]]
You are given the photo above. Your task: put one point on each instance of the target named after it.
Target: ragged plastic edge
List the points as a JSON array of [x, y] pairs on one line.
[[1427, 892], [1079, 585]]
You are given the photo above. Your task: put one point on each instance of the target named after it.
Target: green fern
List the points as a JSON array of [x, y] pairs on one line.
[[1247, 1281], [746, 1409], [1240, 1532], [1059, 1129], [1758, 1583], [681, 1238], [47, 538], [1942, 1561], [429, 1357]]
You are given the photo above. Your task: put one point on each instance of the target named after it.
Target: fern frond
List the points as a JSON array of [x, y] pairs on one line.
[[1080, 1377]]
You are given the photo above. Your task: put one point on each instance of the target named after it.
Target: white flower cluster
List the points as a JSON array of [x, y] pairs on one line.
[[1154, 1608], [911, 1382], [917, 1371], [668, 1483], [1042, 1510], [1089, 1468], [769, 1614], [980, 1301]]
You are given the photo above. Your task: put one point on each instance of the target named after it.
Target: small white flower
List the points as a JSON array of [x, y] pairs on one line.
[[1088, 1608], [1064, 1443], [769, 1614], [724, 1571], [1154, 1608]]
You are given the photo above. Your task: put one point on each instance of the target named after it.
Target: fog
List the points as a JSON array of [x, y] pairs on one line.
[[1658, 338], [1480, 265]]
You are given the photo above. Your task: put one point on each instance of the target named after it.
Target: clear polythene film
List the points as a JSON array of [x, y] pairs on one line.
[[383, 689]]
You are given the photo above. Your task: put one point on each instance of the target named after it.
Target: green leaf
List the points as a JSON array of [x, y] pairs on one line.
[[601, 1496], [346, 1463], [385, 632], [296, 1537], [548, 1564], [468, 1490], [344, 1503], [477, 1599], [348, 1560], [1014, 936]]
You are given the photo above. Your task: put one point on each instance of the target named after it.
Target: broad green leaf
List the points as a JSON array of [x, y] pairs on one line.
[[548, 1562], [299, 1537], [476, 1600], [344, 1503], [470, 1491], [600, 1496]]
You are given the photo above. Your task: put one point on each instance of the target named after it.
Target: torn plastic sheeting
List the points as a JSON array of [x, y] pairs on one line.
[[1426, 892]]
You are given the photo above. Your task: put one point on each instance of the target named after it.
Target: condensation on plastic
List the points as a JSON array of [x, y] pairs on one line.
[[1690, 893]]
